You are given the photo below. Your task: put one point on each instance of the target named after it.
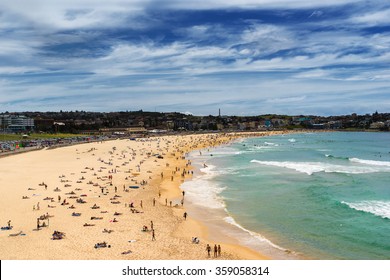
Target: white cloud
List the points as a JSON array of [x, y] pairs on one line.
[[250, 4], [375, 18], [259, 64], [71, 14]]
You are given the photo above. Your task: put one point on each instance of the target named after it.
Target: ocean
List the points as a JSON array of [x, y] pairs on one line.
[[319, 195]]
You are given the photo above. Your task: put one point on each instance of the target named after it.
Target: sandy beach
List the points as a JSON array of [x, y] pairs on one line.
[[98, 197]]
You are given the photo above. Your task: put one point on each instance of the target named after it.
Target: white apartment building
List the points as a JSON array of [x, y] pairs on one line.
[[15, 123]]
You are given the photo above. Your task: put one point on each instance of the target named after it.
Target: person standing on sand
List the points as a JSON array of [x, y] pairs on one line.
[[219, 250], [185, 215], [9, 224], [208, 249], [153, 236], [215, 251], [151, 224], [154, 202]]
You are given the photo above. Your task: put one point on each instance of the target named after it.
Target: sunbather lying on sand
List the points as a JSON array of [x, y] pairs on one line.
[[96, 218], [102, 245], [57, 235], [16, 234], [6, 228], [126, 252], [80, 200]]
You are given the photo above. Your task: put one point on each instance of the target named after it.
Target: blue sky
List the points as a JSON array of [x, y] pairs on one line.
[[247, 57]]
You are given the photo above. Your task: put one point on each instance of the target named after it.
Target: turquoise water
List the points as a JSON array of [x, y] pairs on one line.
[[316, 195]]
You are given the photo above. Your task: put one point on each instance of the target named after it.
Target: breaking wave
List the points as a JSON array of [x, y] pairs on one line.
[[377, 207], [314, 167], [370, 162], [257, 236]]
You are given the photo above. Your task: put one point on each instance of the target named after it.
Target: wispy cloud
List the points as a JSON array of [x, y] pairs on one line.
[[244, 56]]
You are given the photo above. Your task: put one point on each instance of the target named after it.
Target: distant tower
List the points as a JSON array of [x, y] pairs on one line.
[[219, 112]]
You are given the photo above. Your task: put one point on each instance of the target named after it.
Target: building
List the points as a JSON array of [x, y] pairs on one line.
[[16, 123]]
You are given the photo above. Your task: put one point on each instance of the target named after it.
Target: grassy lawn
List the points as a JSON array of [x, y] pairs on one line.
[[13, 137]]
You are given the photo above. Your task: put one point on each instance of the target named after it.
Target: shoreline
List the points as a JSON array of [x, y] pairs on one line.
[[202, 230], [24, 172], [222, 226]]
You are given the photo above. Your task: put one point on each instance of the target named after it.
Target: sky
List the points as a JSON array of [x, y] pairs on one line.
[[245, 57]]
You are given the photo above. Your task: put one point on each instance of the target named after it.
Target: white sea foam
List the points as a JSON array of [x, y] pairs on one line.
[[376, 207], [314, 167], [292, 140], [258, 237], [202, 191], [209, 170], [370, 162], [271, 144]]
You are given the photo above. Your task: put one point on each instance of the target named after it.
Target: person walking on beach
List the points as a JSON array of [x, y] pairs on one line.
[[151, 224], [219, 250], [185, 215], [153, 236], [215, 251], [208, 249]]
